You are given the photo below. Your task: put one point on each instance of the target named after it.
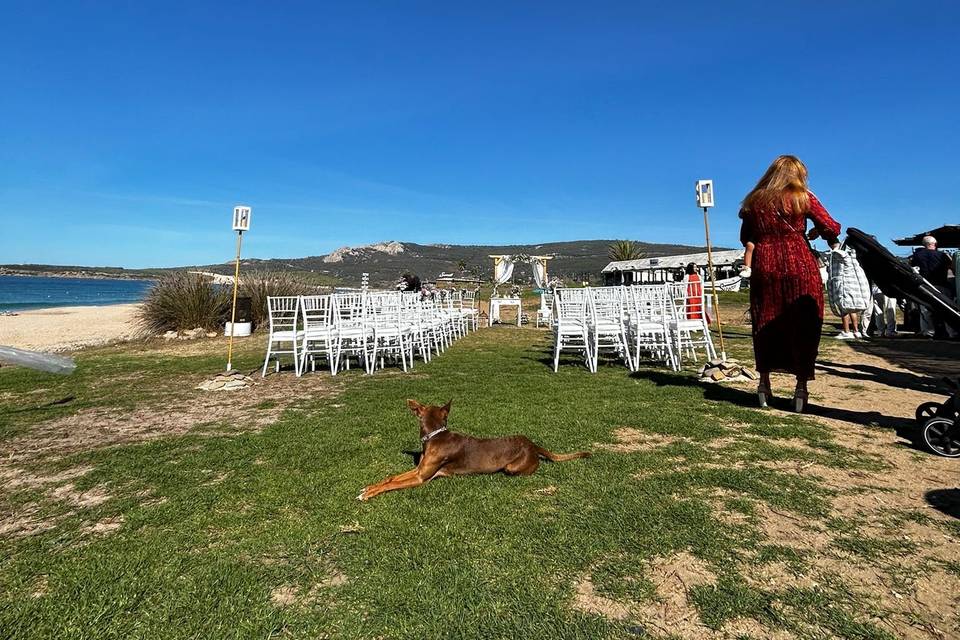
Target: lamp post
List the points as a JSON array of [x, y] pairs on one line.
[[705, 201], [241, 223]]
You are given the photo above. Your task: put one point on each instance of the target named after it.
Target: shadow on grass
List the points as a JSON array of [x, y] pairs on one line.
[[946, 501], [46, 405], [904, 427], [896, 379], [415, 455]]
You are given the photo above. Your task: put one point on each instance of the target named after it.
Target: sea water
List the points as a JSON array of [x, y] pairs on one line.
[[37, 292]]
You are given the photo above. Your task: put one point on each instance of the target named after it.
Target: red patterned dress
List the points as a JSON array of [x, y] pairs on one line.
[[786, 291], [694, 297]]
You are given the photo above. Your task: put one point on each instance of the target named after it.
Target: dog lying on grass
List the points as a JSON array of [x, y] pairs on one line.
[[446, 453]]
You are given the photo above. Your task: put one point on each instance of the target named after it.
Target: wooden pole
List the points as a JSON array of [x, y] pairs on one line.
[[713, 283], [233, 312]]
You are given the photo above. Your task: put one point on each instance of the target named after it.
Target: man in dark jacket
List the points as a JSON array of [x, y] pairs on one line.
[[935, 266]]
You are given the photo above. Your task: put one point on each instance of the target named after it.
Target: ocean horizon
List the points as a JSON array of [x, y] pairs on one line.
[[23, 293]]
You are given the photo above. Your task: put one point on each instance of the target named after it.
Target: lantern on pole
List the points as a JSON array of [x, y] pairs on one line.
[[705, 201], [241, 223]]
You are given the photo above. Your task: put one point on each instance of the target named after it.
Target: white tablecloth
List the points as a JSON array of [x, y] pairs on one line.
[[497, 303]]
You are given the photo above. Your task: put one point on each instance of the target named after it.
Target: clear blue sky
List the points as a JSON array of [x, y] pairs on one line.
[[128, 130]]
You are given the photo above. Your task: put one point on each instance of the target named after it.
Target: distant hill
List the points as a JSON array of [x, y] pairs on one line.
[[577, 261], [387, 261]]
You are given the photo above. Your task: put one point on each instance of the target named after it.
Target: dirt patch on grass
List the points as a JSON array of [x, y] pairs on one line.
[[85, 499], [630, 440], [103, 527], [14, 478], [868, 404], [27, 520], [549, 490], [890, 562], [294, 596], [284, 595], [249, 409], [673, 613], [586, 599]]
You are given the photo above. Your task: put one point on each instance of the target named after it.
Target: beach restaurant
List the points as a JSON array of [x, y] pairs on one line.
[[672, 269]]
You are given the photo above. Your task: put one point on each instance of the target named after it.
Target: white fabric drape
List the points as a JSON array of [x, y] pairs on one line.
[[504, 270], [540, 273]]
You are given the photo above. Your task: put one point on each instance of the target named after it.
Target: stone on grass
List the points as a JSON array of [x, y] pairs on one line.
[[229, 381]]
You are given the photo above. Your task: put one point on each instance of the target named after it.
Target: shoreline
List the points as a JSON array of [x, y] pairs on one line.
[[68, 328], [75, 275]]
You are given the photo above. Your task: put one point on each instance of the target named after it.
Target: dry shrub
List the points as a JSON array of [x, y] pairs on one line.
[[182, 301], [258, 285]]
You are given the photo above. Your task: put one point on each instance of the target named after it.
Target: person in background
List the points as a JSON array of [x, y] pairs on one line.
[[410, 282], [849, 290], [935, 266], [694, 293], [881, 313], [786, 292]]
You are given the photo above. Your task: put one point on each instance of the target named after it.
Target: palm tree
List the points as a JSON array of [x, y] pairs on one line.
[[462, 265], [624, 250]]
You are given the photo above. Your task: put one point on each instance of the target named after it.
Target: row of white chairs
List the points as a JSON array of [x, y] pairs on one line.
[[370, 327], [660, 322]]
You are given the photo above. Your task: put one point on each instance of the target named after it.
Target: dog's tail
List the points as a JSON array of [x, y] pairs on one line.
[[562, 457]]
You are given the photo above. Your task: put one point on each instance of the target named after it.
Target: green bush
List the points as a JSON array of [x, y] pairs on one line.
[[183, 301], [258, 285]]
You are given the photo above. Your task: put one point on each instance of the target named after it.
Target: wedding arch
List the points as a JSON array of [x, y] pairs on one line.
[[503, 268]]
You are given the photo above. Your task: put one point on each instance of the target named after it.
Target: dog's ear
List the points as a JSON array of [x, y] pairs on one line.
[[415, 406], [446, 408]]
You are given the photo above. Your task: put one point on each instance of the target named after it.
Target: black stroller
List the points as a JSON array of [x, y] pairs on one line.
[[940, 422]]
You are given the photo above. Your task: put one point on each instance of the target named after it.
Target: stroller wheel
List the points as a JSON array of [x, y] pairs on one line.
[[926, 411], [942, 436]]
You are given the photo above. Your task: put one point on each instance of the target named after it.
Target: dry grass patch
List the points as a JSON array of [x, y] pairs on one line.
[[294, 596], [630, 440], [249, 409]]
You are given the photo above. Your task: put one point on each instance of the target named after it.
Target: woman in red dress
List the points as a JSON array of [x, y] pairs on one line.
[[694, 293], [786, 291]]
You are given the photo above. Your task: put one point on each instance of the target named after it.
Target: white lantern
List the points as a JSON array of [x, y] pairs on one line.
[[241, 218]]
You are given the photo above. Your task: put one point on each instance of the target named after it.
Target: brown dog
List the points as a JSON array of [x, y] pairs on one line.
[[446, 453]]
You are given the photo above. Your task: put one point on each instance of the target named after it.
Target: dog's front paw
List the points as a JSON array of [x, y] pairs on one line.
[[364, 495]]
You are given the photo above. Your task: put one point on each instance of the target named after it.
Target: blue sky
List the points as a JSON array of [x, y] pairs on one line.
[[129, 130]]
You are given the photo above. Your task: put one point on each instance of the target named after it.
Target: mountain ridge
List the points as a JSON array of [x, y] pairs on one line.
[[385, 262]]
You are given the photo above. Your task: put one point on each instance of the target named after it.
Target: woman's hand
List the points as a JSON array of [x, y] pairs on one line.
[[813, 234]]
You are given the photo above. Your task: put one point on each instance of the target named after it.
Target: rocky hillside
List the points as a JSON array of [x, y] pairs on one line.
[[387, 261]]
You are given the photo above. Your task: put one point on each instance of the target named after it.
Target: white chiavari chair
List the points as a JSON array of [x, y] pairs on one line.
[[319, 332], [690, 325], [570, 326], [284, 337], [354, 334]]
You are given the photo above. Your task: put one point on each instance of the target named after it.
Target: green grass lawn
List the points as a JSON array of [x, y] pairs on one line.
[[226, 531]]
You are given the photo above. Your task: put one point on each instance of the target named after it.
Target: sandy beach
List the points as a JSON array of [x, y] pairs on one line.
[[68, 328]]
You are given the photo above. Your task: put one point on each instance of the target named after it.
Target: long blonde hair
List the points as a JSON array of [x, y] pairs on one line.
[[783, 186]]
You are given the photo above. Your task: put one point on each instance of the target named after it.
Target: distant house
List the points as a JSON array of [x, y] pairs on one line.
[[672, 268]]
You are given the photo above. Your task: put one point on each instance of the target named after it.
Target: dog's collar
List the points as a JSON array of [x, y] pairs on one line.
[[432, 433]]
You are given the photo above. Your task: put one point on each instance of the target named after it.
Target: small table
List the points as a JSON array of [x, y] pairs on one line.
[[497, 303]]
